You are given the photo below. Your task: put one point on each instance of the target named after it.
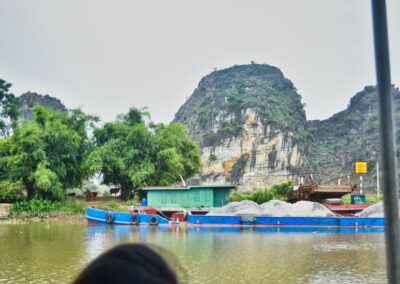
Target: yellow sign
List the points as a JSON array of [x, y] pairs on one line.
[[361, 167]]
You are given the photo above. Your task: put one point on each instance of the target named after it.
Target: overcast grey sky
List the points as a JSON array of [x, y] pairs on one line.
[[106, 56]]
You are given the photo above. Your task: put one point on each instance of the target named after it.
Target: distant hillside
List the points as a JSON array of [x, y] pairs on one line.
[[29, 99], [350, 135]]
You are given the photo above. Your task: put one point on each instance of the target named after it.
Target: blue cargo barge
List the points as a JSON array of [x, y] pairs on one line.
[[122, 218], [285, 221]]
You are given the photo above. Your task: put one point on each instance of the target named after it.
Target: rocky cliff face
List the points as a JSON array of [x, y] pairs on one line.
[[29, 100], [250, 123], [251, 126]]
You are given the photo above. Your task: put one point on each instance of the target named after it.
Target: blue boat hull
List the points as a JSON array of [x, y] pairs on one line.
[[121, 218]]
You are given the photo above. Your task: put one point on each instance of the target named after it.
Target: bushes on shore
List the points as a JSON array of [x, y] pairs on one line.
[[45, 206], [45, 156], [277, 191], [55, 151]]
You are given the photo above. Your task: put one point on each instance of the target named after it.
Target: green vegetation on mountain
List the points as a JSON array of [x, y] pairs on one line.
[[223, 97]]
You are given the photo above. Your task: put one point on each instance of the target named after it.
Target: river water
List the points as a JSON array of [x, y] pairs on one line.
[[39, 253]]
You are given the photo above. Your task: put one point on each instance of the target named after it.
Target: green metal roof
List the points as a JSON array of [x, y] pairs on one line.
[[187, 187]]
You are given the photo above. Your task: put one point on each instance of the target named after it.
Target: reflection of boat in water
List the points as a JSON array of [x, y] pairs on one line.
[[198, 218]]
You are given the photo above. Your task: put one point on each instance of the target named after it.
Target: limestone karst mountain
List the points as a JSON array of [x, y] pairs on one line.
[[251, 125]]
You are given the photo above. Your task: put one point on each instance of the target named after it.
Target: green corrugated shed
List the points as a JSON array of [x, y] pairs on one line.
[[207, 196]]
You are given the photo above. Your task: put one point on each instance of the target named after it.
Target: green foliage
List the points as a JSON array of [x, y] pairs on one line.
[[272, 106], [261, 196], [44, 205], [235, 102], [47, 154], [277, 191], [231, 128], [46, 183], [133, 155], [205, 116], [8, 109], [212, 157], [282, 189], [210, 138], [35, 206], [114, 205], [11, 191], [348, 120], [239, 196], [73, 206], [372, 123]]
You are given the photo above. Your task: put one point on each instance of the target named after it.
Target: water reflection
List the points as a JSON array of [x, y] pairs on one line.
[[56, 253]]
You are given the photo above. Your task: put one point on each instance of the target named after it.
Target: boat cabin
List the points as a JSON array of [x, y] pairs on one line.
[[201, 197]]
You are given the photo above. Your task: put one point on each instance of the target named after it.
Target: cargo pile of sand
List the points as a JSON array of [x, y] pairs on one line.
[[372, 211], [273, 208]]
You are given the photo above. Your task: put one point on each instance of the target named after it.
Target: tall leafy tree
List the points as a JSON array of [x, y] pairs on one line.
[[8, 109], [131, 153], [46, 155]]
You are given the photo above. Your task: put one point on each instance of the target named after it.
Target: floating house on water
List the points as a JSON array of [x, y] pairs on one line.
[[204, 196]]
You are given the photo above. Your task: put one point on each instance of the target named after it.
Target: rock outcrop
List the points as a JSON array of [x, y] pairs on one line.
[[250, 123], [29, 99]]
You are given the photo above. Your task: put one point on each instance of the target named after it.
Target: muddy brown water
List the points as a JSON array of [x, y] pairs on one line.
[[56, 253]]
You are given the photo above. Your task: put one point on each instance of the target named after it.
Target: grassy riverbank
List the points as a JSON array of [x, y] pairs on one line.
[[71, 210]]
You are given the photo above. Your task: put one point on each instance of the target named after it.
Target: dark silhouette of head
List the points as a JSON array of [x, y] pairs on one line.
[[129, 263]]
